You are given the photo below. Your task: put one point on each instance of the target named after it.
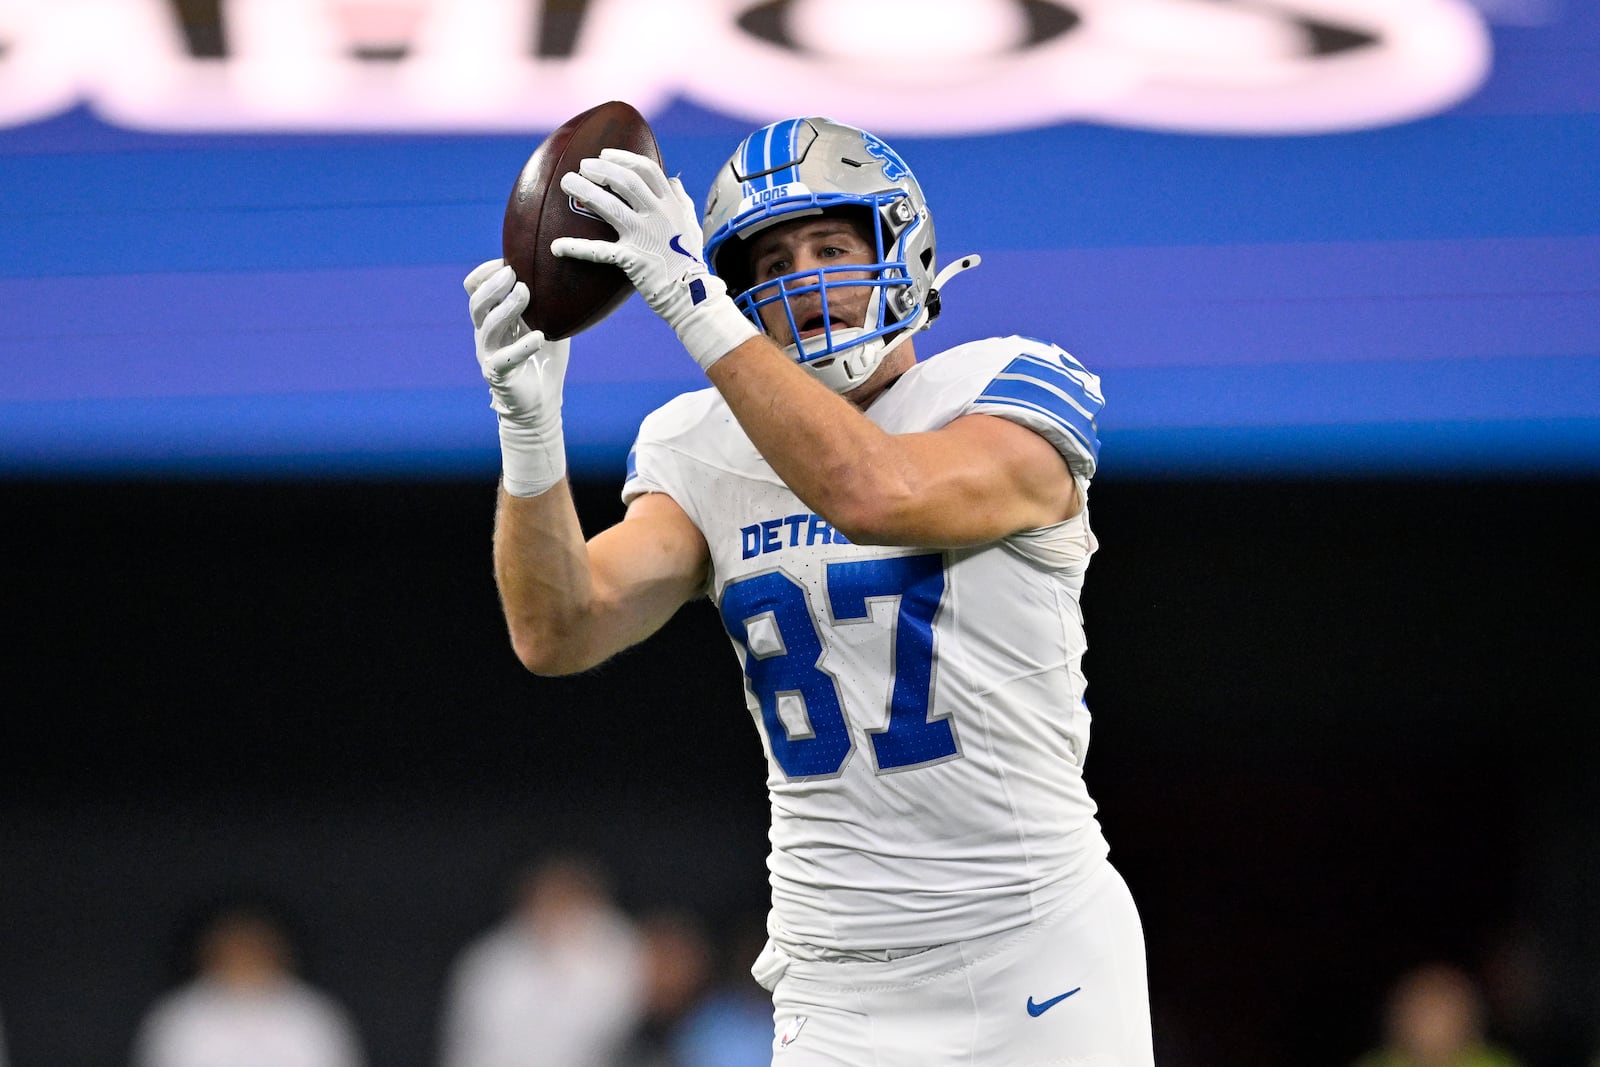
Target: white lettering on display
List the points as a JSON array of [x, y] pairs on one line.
[[933, 67]]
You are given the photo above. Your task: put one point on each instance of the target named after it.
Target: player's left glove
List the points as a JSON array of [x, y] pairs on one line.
[[525, 373], [660, 248]]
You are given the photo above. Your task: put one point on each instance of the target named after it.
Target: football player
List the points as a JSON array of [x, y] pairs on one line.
[[896, 547]]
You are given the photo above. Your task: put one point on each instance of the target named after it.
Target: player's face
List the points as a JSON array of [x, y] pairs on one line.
[[810, 244]]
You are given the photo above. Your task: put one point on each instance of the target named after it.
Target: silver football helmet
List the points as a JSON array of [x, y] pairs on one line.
[[808, 166]]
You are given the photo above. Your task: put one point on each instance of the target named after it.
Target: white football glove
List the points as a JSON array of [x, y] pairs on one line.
[[660, 248], [524, 372]]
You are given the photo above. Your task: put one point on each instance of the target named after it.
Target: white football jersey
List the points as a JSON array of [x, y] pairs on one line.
[[922, 711]]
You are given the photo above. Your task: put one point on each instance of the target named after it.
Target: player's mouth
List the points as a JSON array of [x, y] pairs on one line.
[[816, 324]]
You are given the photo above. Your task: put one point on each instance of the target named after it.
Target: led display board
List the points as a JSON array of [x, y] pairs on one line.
[[1292, 236]]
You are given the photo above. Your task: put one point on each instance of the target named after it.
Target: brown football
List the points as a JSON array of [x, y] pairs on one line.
[[567, 296]]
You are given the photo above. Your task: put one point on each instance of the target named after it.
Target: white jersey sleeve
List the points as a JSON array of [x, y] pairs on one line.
[[1030, 382], [652, 461]]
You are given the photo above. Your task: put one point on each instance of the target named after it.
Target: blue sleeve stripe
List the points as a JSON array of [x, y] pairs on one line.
[[1075, 397], [1066, 358], [633, 465], [1090, 445], [1068, 376], [1032, 396]]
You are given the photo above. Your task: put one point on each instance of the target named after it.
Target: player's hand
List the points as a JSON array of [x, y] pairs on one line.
[[525, 375], [658, 246], [658, 232], [524, 371]]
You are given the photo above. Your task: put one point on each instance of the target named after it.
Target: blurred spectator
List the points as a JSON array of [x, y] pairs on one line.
[[1435, 1019], [677, 969], [246, 1007], [731, 1025], [559, 982]]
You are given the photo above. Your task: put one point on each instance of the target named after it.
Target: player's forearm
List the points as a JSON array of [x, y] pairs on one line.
[[541, 566], [978, 479], [838, 461]]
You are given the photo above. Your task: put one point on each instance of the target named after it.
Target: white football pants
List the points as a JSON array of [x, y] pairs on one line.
[[1070, 988]]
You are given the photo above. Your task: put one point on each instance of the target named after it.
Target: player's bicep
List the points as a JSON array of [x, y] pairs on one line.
[[645, 568]]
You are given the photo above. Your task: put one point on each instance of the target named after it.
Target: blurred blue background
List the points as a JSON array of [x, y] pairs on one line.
[[1423, 296]]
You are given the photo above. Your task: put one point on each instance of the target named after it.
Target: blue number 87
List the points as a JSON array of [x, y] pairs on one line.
[[791, 665]]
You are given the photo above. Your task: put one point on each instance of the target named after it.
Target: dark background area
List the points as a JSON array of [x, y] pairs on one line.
[[1340, 728]]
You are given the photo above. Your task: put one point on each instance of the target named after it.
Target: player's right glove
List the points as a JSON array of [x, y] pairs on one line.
[[659, 247], [525, 373]]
